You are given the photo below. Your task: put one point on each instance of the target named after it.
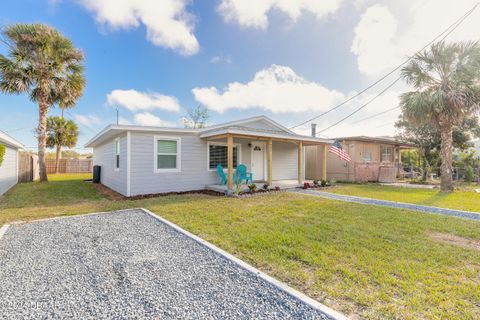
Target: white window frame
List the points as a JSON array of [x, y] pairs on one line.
[[155, 154], [117, 142], [371, 156], [239, 148], [392, 155]]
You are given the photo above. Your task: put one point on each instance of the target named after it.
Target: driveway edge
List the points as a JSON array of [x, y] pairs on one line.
[[335, 315], [3, 230]]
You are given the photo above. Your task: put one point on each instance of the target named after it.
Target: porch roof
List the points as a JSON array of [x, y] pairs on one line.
[[262, 134]]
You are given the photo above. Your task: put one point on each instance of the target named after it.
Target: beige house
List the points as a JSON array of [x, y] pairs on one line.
[[373, 159]]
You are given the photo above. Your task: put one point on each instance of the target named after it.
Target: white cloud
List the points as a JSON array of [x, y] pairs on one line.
[[122, 120], [221, 58], [138, 101], [276, 89], [148, 119], [253, 13], [386, 36], [168, 23], [87, 120]]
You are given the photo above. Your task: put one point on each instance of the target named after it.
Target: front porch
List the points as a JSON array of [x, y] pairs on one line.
[[282, 184], [276, 159]]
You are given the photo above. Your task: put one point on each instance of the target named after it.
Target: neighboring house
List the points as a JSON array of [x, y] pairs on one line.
[[9, 167], [372, 159], [137, 160]]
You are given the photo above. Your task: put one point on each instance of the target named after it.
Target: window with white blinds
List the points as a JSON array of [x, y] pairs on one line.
[[167, 154], [217, 155], [117, 154]]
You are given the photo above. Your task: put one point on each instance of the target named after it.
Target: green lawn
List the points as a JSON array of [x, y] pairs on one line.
[[366, 261], [463, 199]]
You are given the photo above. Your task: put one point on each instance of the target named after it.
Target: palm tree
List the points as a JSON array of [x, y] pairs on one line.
[[446, 79], [44, 64], [61, 133]]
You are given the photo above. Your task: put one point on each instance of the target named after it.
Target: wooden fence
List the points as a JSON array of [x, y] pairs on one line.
[[27, 167], [70, 165]]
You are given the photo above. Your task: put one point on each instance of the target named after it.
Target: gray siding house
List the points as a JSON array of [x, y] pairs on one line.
[[139, 160], [9, 166]]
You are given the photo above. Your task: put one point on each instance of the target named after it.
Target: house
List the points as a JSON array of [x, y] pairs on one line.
[[9, 165], [138, 160], [372, 159]]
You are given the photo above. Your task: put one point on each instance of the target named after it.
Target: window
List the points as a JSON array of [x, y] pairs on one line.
[[167, 154], [217, 155], [387, 153], [367, 156], [117, 154]]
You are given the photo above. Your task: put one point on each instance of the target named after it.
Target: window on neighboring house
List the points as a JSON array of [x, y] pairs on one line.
[[367, 156], [167, 154], [387, 153], [117, 154], [217, 154]]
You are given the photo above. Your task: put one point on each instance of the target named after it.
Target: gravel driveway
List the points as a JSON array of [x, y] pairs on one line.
[[127, 265]]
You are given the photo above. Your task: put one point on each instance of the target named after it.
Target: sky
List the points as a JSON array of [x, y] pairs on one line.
[[289, 60]]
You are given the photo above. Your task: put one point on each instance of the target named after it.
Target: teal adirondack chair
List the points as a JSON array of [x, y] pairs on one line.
[[221, 174], [242, 174]]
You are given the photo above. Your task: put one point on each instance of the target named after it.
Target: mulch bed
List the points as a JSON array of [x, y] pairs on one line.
[[113, 195]]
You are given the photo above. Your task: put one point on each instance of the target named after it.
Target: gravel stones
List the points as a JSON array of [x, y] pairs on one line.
[[126, 265]]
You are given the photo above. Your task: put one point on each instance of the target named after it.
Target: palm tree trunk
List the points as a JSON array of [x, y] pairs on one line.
[[42, 140], [57, 158], [446, 182]]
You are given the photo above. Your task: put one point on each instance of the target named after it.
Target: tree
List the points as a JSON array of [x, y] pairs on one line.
[[196, 117], [44, 64], [428, 139], [446, 79], [61, 133]]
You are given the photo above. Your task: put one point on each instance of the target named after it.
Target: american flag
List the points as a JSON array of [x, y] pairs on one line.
[[336, 148]]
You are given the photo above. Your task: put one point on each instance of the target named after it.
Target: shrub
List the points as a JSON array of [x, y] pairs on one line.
[[323, 183], [469, 174], [306, 185], [277, 188], [265, 186], [315, 182], [252, 187], [2, 153]]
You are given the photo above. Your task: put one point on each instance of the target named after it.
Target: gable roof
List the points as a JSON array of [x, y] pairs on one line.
[[6, 139], [114, 130]]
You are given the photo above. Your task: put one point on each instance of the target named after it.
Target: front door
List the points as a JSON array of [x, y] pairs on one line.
[[258, 160]]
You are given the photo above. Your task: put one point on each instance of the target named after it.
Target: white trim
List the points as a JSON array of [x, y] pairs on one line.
[[264, 148], [155, 154], [105, 133], [295, 137], [129, 152], [9, 141], [242, 264], [115, 141], [219, 143]]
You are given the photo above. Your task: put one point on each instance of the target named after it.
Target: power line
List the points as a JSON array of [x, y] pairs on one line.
[[383, 91], [376, 115], [361, 107], [453, 26]]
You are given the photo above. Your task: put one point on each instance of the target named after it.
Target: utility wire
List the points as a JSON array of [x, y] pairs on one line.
[[361, 107], [383, 91], [376, 115], [447, 31]]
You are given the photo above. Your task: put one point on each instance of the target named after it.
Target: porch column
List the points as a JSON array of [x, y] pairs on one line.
[[324, 162], [300, 163], [269, 162], [230, 161]]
